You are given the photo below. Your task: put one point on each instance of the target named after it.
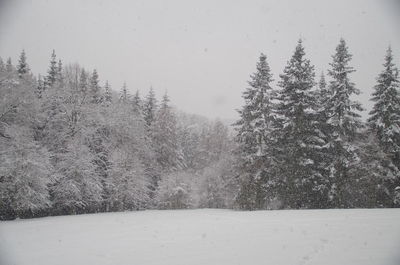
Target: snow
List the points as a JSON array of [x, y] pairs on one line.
[[357, 236]]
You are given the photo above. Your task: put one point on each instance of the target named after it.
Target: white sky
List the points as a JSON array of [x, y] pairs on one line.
[[202, 52]]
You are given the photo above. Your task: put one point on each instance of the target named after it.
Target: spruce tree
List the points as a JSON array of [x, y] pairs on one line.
[[322, 94], [124, 96], [384, 120], [344, 127], [298, 136], [22, 67], [60, 77], [164, 135], [51, 77], [107, 94], [254, 137], [385, 116], [150, 107], [39, 87], [137, 103], [83, 82], [94, 88]]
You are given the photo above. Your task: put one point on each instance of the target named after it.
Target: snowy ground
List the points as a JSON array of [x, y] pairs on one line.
[[207, 237]]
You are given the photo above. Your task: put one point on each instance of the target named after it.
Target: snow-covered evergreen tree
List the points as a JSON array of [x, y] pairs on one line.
[[299, 138], [39, 87], [83, 82], [344, 126], [254, 136], [384, 119], [137, 103], [60, 76], [150, 107], [189, 140], [22, 66], [124, 95], [107, 94], [94, 88], [373, 176], [51, 77], [164, 135]]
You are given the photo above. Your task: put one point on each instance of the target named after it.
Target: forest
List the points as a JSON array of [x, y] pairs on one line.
[[72, 144]]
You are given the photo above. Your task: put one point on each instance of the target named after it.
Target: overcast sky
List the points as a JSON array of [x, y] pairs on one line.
[[202, 52]]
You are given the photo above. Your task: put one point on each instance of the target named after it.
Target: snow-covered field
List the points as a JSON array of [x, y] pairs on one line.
[[207, 237]]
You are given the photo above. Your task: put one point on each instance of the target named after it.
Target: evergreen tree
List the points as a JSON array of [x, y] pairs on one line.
[[375, 175], [137, 103], [124, 97], [299, 138], [83, 82], [60, 77], [51, 77], [384, 119], [22, 66], [164, 134], [254, 136], [39, 87], [322, 94], [150, 107], [322, 187], [344, 127], [95, 93], [107, 94]]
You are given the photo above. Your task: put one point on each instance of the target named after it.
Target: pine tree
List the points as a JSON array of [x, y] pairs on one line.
[[322, 94], [107, 94], [137, 103], [384, 119], [94, 88], [60, 77], [385, 116], [254, 135], [344, 126], [22, 66], [124, 97], [39, 87], [51, 77], [164, 134], [83, 82], [150, 107], [298, 136]]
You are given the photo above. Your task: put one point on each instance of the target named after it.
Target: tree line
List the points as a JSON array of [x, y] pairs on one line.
[[70, 145], [303, 144]]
